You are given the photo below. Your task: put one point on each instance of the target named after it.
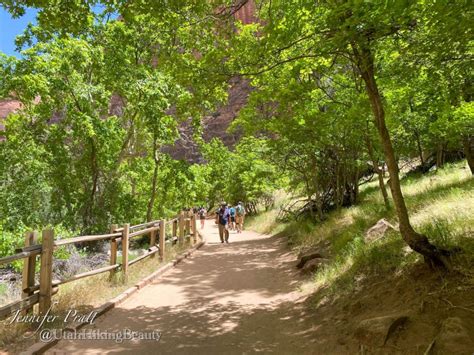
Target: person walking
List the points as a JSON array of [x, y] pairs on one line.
[[202, 216], [239, 217], [223, 217], [232, 218]]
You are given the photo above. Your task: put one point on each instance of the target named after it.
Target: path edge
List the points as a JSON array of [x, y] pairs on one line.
[[40, 347]]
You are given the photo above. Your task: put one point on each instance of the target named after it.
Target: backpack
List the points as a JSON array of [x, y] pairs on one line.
[[221, 215], [240, 210]]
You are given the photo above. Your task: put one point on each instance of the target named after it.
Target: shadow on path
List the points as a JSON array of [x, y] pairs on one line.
[[232, 298]]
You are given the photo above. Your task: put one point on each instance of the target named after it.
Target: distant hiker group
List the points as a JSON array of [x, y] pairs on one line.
[[230, 218]]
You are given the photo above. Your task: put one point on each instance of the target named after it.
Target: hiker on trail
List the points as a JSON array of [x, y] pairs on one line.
[[223, 218], [239, 217], [202, 215], [232, 218]]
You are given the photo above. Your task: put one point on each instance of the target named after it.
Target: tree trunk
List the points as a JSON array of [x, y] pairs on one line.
[[355, 184], [383, 189], [339, 195], [439, 157], [416, 241], [87, 218], [420, 150], [151, 201], [318, 196], [468, 143], [417, 137], [112, 175]]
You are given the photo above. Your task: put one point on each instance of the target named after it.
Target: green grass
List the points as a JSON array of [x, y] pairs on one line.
[[266, 222], [440, 204]]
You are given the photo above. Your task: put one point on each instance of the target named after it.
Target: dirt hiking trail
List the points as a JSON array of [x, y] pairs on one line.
[[236, 298]]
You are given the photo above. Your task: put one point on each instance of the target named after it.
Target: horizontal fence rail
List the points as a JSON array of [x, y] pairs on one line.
[[21, 255], [143, 231], [86, 238], [182, 226]]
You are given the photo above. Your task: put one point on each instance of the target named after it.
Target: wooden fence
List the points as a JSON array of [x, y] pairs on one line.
[[182, 226]]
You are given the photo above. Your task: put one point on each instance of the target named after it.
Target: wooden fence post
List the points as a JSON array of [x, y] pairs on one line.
[[113, 251], [29, 265], [153, 240], [188, 226], [162, 239], [181, 228], [194, 227], [125, 233], [46, 271], [175, 230], [191, 228]]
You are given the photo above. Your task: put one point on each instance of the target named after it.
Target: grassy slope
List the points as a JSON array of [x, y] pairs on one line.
[[441, 206], [364, 285]]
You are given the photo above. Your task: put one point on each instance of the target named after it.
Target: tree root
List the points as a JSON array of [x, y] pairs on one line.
[[451, 305], [436, 257]]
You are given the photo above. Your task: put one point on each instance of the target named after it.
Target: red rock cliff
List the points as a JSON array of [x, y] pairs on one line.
[[215, 125]]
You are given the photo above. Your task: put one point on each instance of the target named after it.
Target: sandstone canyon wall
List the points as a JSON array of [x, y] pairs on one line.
[[215, 125]]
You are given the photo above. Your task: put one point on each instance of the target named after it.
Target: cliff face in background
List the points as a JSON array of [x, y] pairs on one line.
[[215, 125], [6, 107], [185, 148], [246, 14]]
